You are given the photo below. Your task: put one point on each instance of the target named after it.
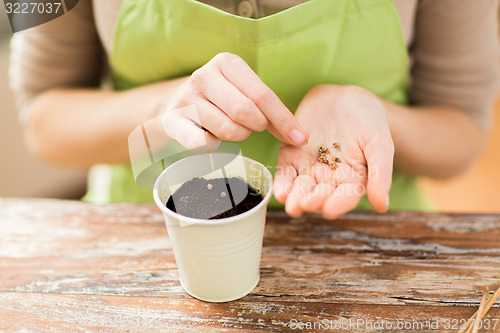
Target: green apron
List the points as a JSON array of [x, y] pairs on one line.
[[348, 42]]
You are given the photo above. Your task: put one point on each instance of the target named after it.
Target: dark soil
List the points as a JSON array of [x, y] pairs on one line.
[[213, 199]]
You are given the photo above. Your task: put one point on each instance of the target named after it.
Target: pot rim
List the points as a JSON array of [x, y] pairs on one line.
[[226, 220]]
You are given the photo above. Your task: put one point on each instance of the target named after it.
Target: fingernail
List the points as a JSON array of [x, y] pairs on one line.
[[297, 137]]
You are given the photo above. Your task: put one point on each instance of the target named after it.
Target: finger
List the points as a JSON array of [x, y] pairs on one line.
[[326, 181], [234, 104], [215, 121], [345, 198], [283, 181], [302, 186], [190, 134], [313, 202], [323, 173], [275, 133], [379, 156], [236, 71]]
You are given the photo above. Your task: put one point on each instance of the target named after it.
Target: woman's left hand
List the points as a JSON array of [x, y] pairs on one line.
[[355, 119]]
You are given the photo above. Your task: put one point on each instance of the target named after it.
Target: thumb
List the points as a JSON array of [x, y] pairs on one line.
[[379, 155]]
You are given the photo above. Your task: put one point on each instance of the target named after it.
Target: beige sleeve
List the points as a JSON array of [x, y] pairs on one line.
[[65, 52], [456, 56]]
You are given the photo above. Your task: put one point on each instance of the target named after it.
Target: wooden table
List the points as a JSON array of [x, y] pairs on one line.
[[69, 266]]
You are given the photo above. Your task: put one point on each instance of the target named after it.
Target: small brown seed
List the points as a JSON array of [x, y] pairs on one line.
[[323, 149], [333, 165], [322, 159], [336, 145], [337, 159]]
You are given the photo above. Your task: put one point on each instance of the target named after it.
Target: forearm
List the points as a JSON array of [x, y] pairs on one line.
[[434, 141], [82, 127]]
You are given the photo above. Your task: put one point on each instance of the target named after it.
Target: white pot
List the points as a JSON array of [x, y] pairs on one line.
[[218, 260]]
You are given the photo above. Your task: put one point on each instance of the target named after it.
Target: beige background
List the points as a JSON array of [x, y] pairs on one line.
[[477, 190], [21, 175]]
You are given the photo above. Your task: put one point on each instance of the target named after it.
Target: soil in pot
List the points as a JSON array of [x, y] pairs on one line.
[[212, 199]]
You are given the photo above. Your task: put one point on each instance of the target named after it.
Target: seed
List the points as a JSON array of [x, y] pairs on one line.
[[336, 145], [323, 149], [333, 165], [306, 142], [223, 194], [337, 159], [322, 159], [209, 186]]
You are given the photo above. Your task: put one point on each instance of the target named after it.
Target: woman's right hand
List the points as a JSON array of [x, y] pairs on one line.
[[229, 100]]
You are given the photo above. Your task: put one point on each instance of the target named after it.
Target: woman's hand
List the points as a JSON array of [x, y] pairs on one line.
[[227, 99], [356, 120]]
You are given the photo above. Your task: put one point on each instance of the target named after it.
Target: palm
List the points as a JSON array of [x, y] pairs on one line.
[[307, 185], [316, 184]]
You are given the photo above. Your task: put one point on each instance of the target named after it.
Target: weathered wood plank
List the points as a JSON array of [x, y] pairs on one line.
[[112, 265], [63, 313], [72, 247]]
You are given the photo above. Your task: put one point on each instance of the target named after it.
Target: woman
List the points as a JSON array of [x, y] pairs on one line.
[[341, 66]]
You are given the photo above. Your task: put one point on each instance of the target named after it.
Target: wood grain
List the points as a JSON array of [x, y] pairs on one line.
[[72, 266]]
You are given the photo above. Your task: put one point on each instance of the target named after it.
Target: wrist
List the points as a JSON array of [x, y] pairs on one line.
[[391, 116]]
